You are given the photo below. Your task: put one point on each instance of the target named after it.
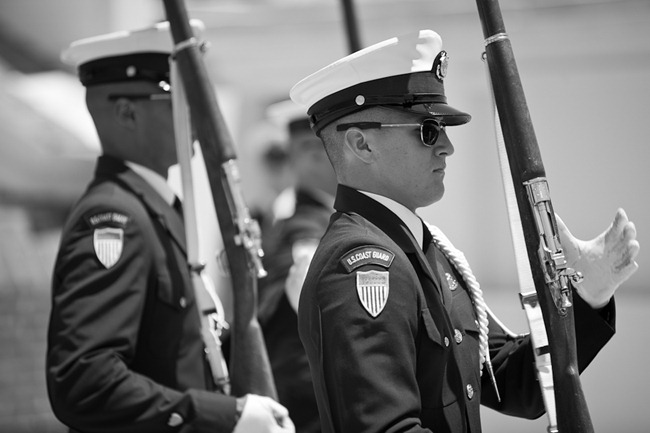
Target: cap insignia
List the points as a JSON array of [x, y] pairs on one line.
[[360, 100], [440, 65], [372, 288], [367, 255]]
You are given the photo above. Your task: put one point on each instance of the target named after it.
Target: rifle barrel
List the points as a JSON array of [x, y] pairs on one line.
[[526, 165]]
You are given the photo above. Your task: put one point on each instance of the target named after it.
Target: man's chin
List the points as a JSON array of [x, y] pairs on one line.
[[434, 198]]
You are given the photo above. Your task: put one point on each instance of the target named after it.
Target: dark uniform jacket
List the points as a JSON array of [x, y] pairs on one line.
[[415, 366], [278, 319], [125, 352]]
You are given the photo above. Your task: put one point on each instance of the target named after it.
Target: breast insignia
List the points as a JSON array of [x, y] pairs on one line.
[[451, 281]]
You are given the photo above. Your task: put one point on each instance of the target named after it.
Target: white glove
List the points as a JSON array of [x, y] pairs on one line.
[[264, 415], [302, 252], [605, 261]]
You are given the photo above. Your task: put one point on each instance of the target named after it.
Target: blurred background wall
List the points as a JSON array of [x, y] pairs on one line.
[[585, 67]]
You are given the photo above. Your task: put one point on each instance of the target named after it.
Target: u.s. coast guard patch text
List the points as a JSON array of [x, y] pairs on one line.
[[367, 255]]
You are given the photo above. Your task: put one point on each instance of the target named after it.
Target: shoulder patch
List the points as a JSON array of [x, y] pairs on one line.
[[373, 289], [107, 219], [367, 255], [108, 235], [108, 243]]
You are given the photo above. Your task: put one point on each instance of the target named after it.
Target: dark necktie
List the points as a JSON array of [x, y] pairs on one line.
[[435, 257], [178, 207]]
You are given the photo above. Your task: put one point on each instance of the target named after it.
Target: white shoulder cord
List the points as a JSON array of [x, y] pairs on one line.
[[208, 303], [528, 295], [457, 258]]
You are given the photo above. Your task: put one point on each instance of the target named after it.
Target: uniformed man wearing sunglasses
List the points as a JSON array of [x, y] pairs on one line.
[[394, 324]]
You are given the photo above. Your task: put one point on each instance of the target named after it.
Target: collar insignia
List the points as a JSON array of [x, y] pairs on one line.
[[451, 281]]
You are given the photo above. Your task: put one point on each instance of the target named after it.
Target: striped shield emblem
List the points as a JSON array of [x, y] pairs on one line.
[[372, 288], [108, 243]]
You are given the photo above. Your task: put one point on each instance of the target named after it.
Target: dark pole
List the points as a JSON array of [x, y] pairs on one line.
[[351, 28]]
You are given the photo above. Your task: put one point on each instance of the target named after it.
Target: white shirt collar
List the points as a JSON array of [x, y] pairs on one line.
[[412, 221], [156, 181]]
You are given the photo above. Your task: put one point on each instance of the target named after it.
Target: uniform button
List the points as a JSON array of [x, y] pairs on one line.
[[446, 342], [175, 420], [458, 336], [182, 302], [470, 391]]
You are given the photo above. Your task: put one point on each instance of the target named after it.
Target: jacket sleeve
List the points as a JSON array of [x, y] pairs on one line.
[[93, 337], [514, 362], [366, 370]]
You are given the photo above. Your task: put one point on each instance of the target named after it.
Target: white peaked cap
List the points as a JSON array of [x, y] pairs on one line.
[[288, 115], [124, 55], [404, 71]]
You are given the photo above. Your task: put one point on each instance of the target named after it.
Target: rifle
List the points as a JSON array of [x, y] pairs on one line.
[[250, 370], [351, 28], [209, 306], [550, 273]]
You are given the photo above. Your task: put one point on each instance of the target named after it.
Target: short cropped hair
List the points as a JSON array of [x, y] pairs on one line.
[[333, 139]]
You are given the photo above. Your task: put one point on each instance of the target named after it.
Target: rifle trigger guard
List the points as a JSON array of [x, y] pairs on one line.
[[576, 276], [249, 234]]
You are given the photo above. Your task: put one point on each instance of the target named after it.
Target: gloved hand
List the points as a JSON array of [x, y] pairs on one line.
[[605, 261], [302, 252], [264, 415]]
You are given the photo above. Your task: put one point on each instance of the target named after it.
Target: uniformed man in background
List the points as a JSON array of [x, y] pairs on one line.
[[302, 214], [394, 324], [125, 353]]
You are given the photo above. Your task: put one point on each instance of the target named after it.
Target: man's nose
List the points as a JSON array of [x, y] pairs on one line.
[[443, 146]]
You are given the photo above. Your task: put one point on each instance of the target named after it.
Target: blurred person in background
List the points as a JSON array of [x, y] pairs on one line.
[[270, 173], [301, 214], [394, 324], [125, 352]]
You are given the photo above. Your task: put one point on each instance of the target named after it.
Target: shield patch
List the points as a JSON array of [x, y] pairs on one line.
[[108, 242], [372, 288]]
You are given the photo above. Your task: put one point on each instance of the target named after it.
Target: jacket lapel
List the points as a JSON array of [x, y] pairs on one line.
[[351, 200], [169, 218]]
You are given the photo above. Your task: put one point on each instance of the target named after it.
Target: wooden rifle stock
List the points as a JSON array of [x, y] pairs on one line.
[[250, 370], [546, 258]]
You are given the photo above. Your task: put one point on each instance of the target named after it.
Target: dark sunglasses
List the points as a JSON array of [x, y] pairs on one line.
[[165, 95], [429, 128], [145, 96]]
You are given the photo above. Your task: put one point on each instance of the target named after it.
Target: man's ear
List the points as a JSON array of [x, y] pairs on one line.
[[124, 111], [357, 142]]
